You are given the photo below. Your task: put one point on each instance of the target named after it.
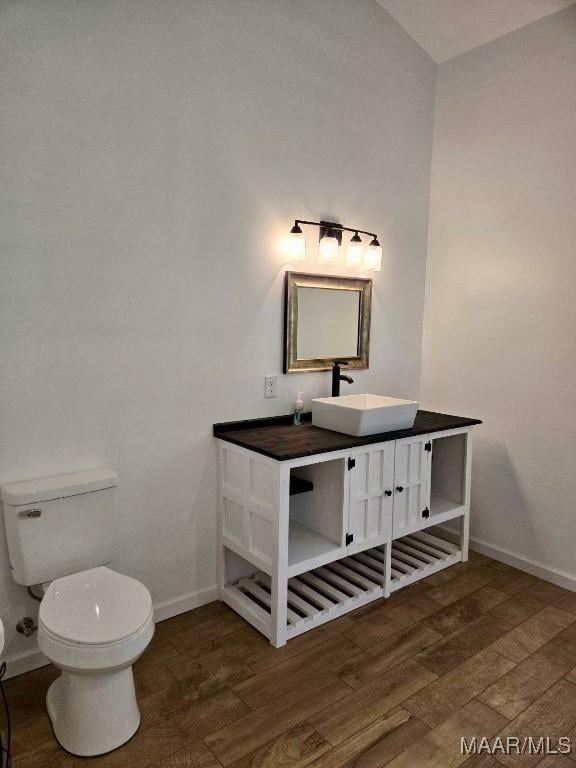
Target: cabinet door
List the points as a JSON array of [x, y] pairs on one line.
[[371, 495], [411, 485]]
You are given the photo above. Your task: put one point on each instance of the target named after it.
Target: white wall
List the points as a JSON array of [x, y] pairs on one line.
[[152, 154], [500, 316]]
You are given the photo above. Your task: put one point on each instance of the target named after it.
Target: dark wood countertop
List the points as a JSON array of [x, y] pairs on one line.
[[279, 439]]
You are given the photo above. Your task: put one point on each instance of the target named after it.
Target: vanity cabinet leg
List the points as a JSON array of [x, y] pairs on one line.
[[220, 555], [279, 612], [279, 597], [465, 520], [464, 535], [387, 568]]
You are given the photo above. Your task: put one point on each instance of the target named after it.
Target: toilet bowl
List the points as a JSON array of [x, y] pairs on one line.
[[93, 625]]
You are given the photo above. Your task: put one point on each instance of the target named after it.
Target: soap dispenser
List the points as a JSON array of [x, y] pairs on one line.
[[299, 408]]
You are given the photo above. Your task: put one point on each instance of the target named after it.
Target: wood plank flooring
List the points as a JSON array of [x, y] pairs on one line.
[[480, 649]]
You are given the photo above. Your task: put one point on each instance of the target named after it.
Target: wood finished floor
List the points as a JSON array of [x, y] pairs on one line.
[[479, 649]]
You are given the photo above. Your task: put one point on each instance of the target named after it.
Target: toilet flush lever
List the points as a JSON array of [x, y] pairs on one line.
[[30, 513]]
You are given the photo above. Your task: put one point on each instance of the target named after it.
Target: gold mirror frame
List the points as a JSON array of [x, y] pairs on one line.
[[295, 280]]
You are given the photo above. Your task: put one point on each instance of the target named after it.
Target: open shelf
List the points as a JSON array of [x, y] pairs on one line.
[[448, 478], [314, 597], [316, 515], [299, 485], [419, 555], [442, 509], [307, 548]]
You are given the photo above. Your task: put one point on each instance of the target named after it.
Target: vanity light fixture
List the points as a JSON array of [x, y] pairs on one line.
[[296, 244], [367, 259], [355, 253], [329, 244], [373, 258]]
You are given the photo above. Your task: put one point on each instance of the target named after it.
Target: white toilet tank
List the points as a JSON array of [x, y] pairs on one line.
[[59, 525]]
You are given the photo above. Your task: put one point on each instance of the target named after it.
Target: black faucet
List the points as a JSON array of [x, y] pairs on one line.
[[337, 377]]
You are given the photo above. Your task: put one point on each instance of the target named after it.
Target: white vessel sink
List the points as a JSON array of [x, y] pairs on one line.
[[361, 415]]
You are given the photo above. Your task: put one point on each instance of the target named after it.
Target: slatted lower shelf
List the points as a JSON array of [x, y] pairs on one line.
[[325, 593], [419, 555], [319, 595]]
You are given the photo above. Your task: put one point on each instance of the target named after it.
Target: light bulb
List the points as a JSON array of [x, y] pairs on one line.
[[373, 258], [328, 252], [355, 252], [296, 244]]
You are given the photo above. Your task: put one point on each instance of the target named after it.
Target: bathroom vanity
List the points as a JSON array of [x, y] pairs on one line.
[[315, 523]]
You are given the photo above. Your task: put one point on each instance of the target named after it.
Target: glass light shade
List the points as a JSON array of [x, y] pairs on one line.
[[328, 251], [373, 257], [296, 246], [355, 252]]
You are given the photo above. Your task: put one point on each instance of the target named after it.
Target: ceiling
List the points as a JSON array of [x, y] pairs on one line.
[[446, 28]]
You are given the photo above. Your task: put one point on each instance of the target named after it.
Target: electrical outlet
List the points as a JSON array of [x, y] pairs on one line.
[[270, 386]]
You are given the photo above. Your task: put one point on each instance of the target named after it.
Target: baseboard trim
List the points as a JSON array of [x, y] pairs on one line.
[[534, 568], [170, 608], [555, 576], [27, 661], [19, 663]]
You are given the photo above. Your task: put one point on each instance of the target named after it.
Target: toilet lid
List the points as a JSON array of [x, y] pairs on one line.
[[95, 606]]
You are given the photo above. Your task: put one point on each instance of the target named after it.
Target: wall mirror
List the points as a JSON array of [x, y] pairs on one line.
[[325, 319]]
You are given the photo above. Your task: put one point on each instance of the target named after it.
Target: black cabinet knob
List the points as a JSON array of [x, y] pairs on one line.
[[426, 513], [387, 493], [399, 488]]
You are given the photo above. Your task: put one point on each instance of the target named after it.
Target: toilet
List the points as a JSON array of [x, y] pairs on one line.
[[93, 622]]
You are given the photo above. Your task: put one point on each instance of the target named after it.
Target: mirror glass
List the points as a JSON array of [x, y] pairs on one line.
[[328, 322]]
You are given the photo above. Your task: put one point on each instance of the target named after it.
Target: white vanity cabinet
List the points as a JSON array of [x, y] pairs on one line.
[[304, 540]]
